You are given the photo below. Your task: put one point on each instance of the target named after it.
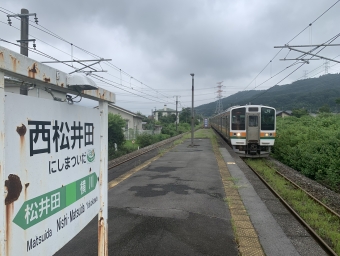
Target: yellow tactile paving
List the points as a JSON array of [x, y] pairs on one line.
[[246, 237], [251, 251], [247, 232], [243, 224], [241, 217]]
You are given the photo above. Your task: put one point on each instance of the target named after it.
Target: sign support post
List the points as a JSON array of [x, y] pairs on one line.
[[103, 181], [2, 163]]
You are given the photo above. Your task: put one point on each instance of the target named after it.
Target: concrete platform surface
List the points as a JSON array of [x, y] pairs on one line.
[[175, 206]]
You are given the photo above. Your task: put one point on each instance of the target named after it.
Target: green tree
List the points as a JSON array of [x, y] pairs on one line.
[[169, 119], [299, 112], [325, 109], [185, 116], [144, 118], [337, 102], [115, 130]]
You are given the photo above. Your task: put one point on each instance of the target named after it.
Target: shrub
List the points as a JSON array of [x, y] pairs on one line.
[[311, 145]]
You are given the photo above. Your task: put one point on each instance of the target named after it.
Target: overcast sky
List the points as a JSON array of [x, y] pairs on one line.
[[155, 45]]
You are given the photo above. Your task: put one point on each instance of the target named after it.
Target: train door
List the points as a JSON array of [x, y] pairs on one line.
[[253, 132], [227, 124]]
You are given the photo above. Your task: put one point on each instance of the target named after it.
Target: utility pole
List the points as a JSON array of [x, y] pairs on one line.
[[192, 110], [24, 37], [176, 111]]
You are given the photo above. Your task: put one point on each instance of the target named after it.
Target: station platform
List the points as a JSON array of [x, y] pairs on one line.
[[187, 201]]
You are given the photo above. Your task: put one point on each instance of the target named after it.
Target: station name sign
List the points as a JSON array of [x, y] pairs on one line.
[[55, 158]]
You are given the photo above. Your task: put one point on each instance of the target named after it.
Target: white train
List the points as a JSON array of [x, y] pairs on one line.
[[249, 129]]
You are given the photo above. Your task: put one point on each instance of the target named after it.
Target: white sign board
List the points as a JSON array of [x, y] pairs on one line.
[[52, 171]]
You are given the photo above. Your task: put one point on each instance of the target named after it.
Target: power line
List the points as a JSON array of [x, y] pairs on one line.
[[322, 48], [82, 49], [99, 78], [310, 24]]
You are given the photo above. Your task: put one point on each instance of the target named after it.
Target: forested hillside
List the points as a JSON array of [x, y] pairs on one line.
[[311, 94]]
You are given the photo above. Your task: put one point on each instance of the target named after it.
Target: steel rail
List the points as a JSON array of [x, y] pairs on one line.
[[133, 155], [321, 242], [309, 194], [318, 239]]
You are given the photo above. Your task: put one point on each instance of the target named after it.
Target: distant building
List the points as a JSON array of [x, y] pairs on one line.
[[284, 113], [164, 112], [133, 121]]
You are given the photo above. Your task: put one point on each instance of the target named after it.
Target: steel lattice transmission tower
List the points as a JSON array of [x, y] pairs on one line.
[[219, 105], [326, 66]]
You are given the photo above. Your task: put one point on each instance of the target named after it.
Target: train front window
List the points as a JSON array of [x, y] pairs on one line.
[[238, 119], [267, 119], [253, 121]]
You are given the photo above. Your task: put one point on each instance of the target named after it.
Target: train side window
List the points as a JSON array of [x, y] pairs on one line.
[[253, 121]]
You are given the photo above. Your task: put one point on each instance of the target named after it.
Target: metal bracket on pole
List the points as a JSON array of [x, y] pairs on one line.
[[290, 47], [315, 55], [85, 66]]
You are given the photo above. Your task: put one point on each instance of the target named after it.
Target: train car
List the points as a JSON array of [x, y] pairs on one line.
[[249, 129], [206, 123]]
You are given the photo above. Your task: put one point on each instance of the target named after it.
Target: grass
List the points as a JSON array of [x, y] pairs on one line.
[[129, 144], [200, 134], [325, 224]]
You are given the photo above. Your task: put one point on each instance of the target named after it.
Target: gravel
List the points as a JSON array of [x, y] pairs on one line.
[[325, 195]]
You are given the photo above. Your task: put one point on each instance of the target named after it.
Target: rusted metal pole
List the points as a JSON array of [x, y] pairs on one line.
[[24, 42], [103, 181], [2, 166]]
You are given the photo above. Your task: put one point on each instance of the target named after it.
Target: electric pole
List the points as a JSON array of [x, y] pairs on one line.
[[24, 37], [176, 111], [192, 111]]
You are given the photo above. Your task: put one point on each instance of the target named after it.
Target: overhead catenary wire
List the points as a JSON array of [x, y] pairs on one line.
[[100, 79], [289, 42], [157, 91], [93, 75], [322, 48], [97, 76], [43, 29]]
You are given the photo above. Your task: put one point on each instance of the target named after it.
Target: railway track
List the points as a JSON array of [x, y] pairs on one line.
[[311, 230], [312, 189], [133, 155]]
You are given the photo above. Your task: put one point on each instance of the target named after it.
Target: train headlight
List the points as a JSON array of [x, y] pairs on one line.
[[267, 134], [238, 134]]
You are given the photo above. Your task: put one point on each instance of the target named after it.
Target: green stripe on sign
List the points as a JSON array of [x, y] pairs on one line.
[[41, 207], [71, 190]]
